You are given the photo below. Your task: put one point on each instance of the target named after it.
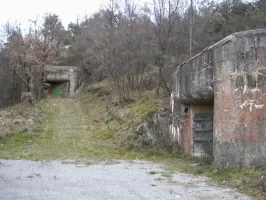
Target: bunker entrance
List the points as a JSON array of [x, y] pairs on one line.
[[201, 120], [58, 89]]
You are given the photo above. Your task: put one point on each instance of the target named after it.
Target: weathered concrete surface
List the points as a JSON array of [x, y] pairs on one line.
[[240, 100], [232, 74], [44, 180], [193, 80], [59, 74]]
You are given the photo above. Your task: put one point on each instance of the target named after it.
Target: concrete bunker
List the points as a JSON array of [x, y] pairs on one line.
[[219, 96], [61, 81]]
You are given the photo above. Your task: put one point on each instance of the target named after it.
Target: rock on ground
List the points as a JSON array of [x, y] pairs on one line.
[[56, 180]]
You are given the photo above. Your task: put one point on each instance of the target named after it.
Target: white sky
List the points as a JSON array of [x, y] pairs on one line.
[[21, 11]]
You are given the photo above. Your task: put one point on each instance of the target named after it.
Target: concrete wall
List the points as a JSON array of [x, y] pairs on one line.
[[60, 74], [10, 86], [193, 80], [240, 99], [232, 74]]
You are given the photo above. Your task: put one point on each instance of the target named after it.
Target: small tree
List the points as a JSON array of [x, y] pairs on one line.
[[23, 56], [165, 15], [51, 35]]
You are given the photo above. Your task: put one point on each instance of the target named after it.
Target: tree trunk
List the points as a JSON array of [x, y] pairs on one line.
[[165, 86], [159, 80], [29, 96], [141, 77], [191, 28], [42, 80], [32, 91], [137, 81]]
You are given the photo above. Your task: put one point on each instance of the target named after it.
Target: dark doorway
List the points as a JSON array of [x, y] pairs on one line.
[[202, 134]]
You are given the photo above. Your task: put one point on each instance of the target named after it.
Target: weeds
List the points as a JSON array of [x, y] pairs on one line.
[[76, 129], [152, 173]]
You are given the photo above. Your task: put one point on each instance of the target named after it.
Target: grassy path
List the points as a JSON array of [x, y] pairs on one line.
[[69, 128], [75, 129], [65, 134]]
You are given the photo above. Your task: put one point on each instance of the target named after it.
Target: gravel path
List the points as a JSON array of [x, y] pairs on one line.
[[55, 180]]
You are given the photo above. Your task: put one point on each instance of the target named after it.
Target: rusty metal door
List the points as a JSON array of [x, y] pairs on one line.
[[202, 134]]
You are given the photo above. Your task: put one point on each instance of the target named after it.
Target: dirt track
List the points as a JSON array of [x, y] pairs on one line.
[[67, 137]]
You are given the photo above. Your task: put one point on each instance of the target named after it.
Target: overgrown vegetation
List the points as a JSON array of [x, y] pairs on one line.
[[24, 118], [129, 45], [124, 40], [121, 118], [80, 129], [26, 53], [247, 180]]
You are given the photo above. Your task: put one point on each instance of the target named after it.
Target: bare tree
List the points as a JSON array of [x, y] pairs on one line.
[[51, 36], [191, 28], [165, 14], [23, 56], [28, 52]]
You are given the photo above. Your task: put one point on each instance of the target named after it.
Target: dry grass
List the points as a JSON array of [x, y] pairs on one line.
[[77, 129]]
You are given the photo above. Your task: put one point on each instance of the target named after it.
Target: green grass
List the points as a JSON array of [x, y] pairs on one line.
[[159, 179], [146, 109], [152, 173], [100, 140], [87, 163], [20, 138], [147, 105], [167, 174]]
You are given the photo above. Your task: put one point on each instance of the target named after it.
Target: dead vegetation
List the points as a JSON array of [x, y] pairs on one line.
[[90, 128], [120, 130], [124, 115], [23, 118]]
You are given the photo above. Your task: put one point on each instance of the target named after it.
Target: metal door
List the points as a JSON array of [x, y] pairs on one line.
[[57, 92], [202, 134]]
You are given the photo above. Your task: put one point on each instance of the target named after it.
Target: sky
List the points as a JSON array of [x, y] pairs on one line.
[[21, 11]]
